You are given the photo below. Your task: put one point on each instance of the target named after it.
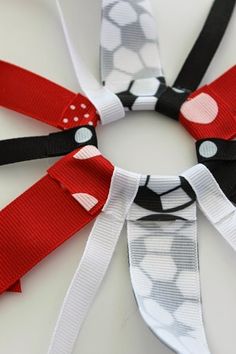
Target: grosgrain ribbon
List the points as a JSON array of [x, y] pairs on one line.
[[38, 147], [106, 102], [219, 156], [41, 99], [95, 262], [163, 254], [131, 67], [50, 213], [50, 102], [209, 112]]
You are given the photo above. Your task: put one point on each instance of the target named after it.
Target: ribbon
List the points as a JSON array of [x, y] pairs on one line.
[[54, 144], [219, 157], [163, 255], [55, 105], [50, 213], [96, 259], [131, 80], [106, 102], [41, 99], [130, 55], [210, 111]]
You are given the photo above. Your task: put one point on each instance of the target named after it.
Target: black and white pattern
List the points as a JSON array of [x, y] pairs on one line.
[[130, 60], [164, 267], [163, 252]]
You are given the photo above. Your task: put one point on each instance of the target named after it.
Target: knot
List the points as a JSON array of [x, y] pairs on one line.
[[171, 100]]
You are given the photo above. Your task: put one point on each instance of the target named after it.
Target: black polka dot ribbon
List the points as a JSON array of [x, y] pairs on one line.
[[219, 156], [38, 147]]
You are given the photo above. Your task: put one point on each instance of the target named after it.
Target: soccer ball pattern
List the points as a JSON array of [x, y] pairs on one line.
[[130, 57], [164, 267]]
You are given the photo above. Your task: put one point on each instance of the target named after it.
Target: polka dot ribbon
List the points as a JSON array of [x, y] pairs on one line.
[[219, 156], [163, 253]]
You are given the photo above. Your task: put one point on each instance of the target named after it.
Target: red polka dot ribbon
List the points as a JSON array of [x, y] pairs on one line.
[[211, 110], [39, 98], [48, 213]]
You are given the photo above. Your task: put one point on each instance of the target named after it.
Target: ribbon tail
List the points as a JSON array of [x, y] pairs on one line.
[[164, 270], [130, 59], [32, 95], [94, 263], [106, 102], [48, 213]]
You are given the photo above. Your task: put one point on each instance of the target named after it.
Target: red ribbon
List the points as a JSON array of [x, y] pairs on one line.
[[39, 98], [210, 112], [46, 215], [50, 212]]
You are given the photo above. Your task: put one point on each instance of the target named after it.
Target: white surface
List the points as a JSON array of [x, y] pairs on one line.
[[31, 36]]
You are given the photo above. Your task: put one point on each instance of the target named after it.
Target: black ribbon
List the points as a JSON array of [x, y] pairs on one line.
[[38, 147], [219, 156], [198, 60]]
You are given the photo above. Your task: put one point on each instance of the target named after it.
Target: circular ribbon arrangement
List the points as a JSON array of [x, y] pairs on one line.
[[160, 212]]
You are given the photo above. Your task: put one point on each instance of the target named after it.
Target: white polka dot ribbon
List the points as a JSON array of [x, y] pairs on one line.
[[108, 104], [163, 252]]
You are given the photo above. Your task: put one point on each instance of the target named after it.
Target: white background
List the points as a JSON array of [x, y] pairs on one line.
[[31, 37]]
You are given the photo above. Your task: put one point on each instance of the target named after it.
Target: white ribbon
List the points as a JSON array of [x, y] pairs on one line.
[[163, 255], [130, 58], [95, 261], [213, 202], [164, 266], [108, 105]]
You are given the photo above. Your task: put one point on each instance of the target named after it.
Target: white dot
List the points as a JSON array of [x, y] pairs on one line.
[[208, 149], [65, 120], [202, 109], [72, 107], [82, 135], [76, 119], [83, 106], [90, 123], [86, 115]]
